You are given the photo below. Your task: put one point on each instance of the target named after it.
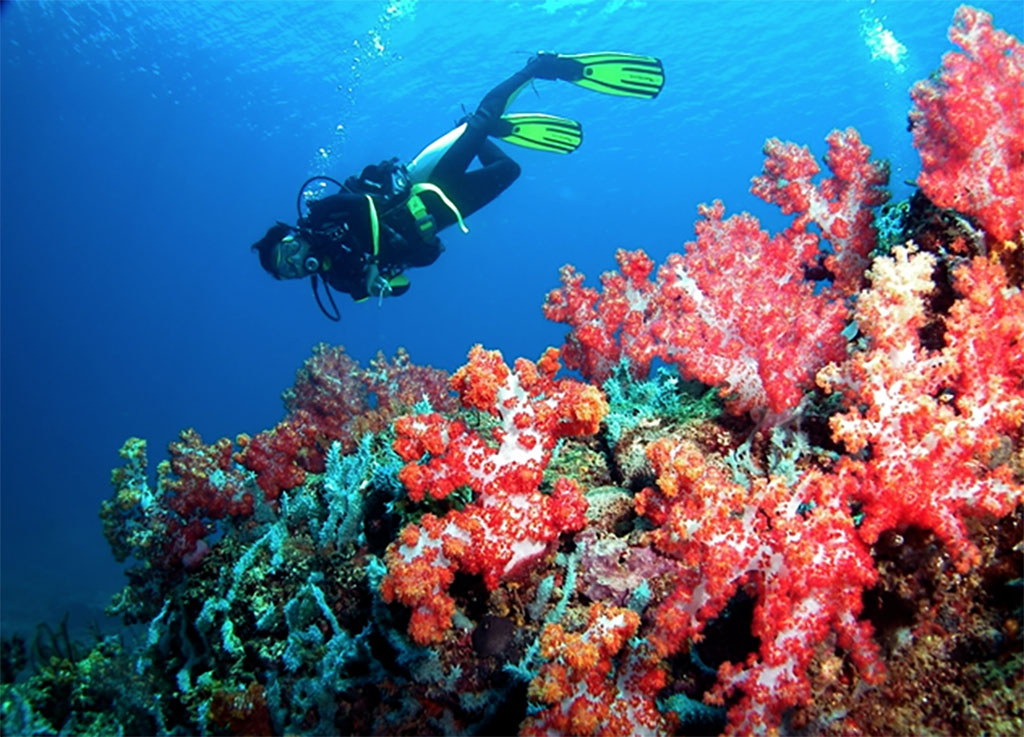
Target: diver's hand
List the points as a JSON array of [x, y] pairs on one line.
[[376, 285], [373, 280]]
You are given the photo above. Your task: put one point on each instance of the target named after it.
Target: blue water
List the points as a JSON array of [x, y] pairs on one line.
[[146, 145]]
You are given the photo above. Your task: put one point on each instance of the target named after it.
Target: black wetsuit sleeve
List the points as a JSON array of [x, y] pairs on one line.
[[342, 208], [348, 282], [347, 248]]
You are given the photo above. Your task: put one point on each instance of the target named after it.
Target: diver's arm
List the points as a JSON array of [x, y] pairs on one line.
[[343, 223], [341, 207]]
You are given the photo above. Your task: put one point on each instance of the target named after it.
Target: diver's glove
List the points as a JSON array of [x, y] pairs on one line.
[[376, 284]]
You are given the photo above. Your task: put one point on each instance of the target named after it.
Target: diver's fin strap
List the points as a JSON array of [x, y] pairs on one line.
[[428, 187]]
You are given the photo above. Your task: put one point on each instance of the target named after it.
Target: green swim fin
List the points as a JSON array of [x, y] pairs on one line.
[[614, 73], [540, 131]]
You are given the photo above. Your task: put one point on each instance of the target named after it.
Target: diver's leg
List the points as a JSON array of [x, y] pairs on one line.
[[472, 190], [480, 124], [490, 153]]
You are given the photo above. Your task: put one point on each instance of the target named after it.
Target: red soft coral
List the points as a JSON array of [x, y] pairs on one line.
[[932, 419], [969, 126], [201, 484], [738, 314], [840, 206], [280, 457], [795, 549], [511, 523], [593, 683], [736, 309], [610, 325], [344, 401]]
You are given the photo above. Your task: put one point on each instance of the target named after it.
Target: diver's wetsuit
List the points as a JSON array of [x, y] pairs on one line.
[[341, 227]]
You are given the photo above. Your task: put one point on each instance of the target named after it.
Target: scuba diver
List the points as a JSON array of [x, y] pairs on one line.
[[386, 220]]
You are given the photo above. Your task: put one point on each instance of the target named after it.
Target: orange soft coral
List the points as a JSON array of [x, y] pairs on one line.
[[511, 522]]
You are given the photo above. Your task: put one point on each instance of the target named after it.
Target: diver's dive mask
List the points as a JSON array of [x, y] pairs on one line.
[[292, 258]]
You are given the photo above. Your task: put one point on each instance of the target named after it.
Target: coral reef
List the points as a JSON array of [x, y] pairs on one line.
[[807, 521]]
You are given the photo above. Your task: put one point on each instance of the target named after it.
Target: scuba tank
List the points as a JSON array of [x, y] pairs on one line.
[[391, 188]]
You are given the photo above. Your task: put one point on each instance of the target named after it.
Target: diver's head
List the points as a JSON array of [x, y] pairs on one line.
[[285, 254], [292, 258]]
